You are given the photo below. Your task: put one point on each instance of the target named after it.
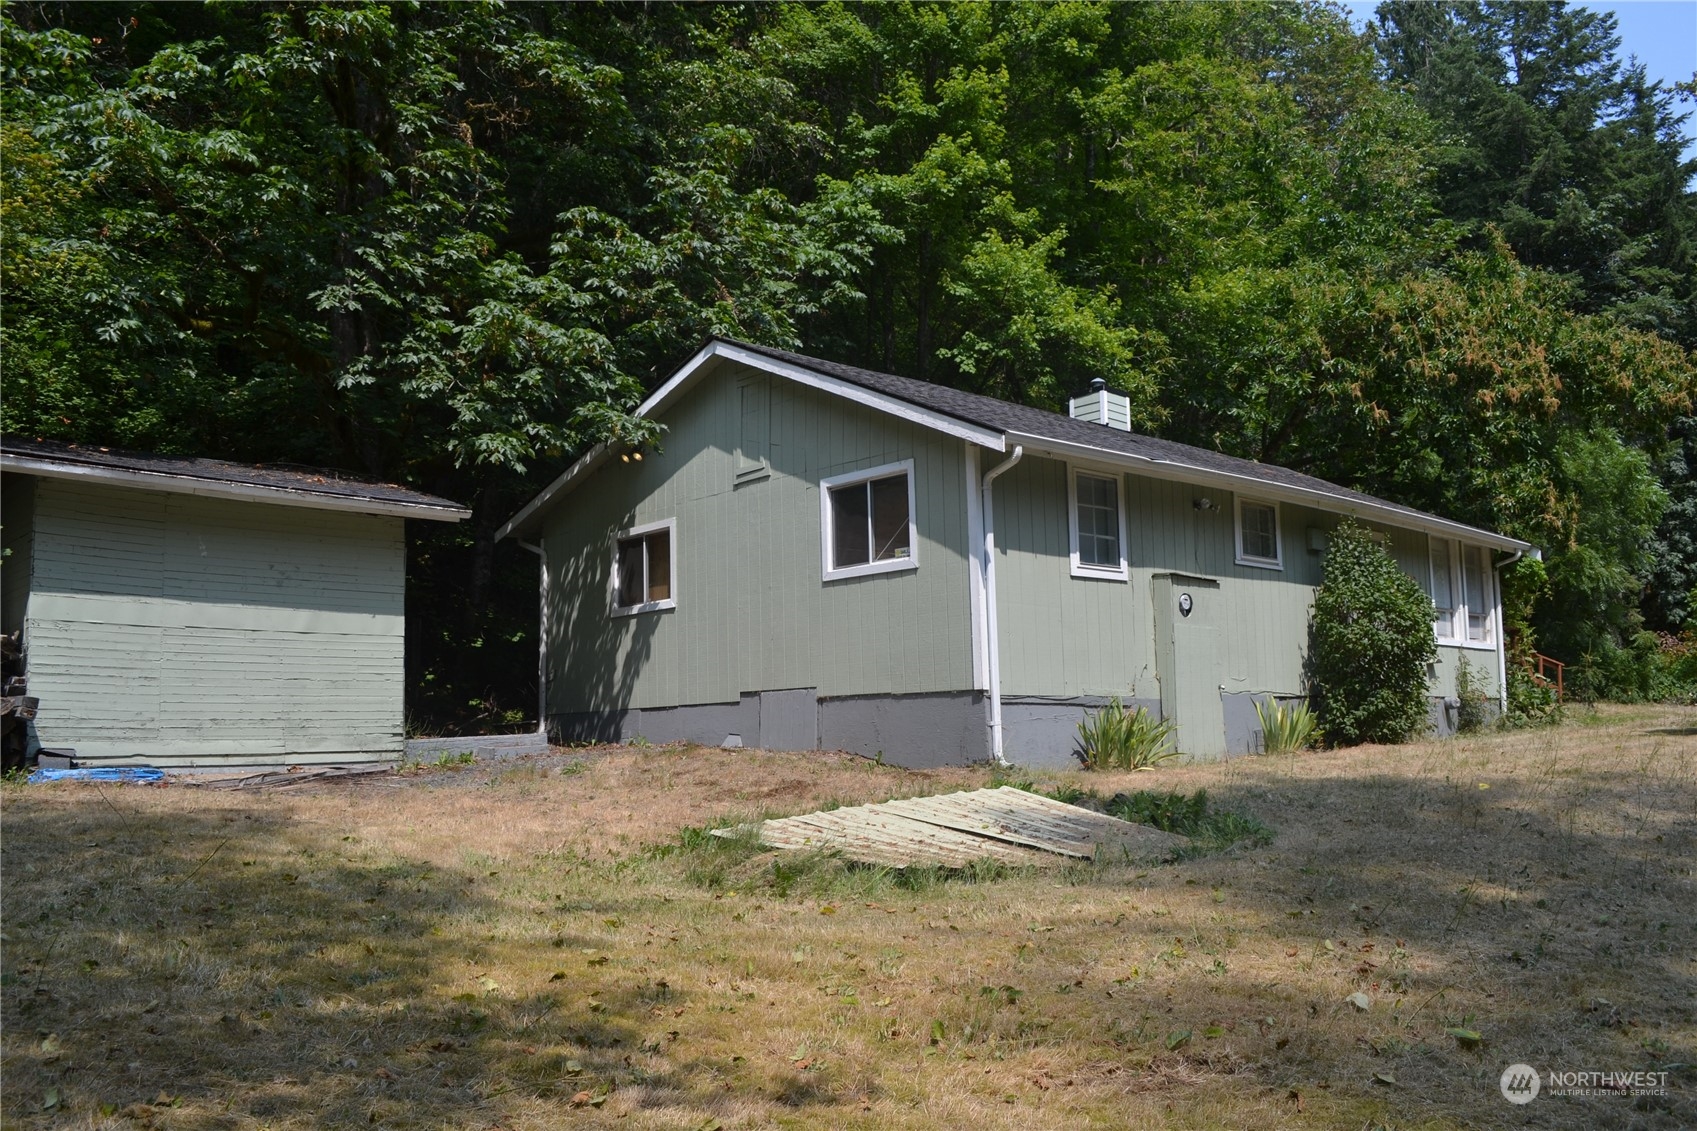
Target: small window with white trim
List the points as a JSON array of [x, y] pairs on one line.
[[1097, 526], [1443, 592], [644, 565], [1258, 541], [1463, 593], [866, 521]]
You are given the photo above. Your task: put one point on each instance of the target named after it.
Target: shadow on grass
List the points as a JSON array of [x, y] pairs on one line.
[[223, 965], [1556, 914]]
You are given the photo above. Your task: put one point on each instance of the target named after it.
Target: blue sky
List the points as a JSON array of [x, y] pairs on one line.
[[1661, 33]]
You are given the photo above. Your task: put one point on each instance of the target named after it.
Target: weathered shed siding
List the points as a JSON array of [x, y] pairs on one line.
[[753, 613], [175, 629]]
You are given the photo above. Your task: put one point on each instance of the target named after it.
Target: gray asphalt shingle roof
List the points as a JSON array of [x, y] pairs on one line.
[[296, 481], [988, 417], [988, 412]]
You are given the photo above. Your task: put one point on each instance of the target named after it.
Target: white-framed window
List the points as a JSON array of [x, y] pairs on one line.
[[645, 566], [1259, 540], [1096, 523], [866, 522], [1463, 592]]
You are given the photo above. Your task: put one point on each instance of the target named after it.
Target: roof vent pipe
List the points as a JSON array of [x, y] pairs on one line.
[[1099, 406]]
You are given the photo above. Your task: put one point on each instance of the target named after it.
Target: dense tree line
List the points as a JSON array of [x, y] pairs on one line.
[[1448, 261]]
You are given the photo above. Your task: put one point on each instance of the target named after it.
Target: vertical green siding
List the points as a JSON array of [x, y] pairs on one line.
[[752, 611], [17, 525], [1066, 636], [170, 628]]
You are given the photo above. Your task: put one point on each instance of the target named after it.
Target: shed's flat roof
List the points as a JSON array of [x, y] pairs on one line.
[[290, 486]]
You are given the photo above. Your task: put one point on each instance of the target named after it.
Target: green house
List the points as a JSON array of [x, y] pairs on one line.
[[820, 556], [192, 613]]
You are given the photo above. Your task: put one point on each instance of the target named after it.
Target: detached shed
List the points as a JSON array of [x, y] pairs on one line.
[[196, 613]]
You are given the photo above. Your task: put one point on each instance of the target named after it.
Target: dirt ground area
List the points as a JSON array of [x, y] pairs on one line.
[[551, 942]]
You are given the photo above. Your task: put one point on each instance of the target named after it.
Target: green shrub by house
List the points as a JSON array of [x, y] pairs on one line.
[[1370, 642]]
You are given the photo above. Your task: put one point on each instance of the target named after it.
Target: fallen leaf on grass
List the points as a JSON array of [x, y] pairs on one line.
[[1360, 1001], [1466, 1038], [1178, 1040], [1384, 1078]]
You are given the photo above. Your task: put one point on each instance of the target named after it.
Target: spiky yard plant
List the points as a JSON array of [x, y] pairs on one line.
[[1112, 738], [1286, 727]]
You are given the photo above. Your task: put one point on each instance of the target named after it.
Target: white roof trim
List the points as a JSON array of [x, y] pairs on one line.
[[1267, 489], [972, 433], [222, 489], [690, 372]]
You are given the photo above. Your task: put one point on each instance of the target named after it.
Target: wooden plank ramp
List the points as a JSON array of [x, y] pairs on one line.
[[1007, 825]]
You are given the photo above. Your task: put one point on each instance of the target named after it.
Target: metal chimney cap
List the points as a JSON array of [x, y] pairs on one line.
[[1098, 385]]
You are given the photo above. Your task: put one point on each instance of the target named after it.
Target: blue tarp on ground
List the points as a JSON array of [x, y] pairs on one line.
[[102, 773]]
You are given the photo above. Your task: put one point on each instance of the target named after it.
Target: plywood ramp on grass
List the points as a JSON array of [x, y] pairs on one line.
[[1007, 825]]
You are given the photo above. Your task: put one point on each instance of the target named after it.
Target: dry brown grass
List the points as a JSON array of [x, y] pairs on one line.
[[476, 948]]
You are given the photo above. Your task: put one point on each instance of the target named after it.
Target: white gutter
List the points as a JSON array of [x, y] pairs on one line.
[[992, 643], [223, 489], [1267, 489], [541, 642]]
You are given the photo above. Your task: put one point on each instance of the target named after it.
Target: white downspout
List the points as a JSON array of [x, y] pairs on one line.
[[541, 641], [992, 644], [1502, 634]]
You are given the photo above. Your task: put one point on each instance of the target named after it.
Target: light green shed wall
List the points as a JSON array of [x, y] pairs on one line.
[[174, 629], [1065, 636], [752, 611]]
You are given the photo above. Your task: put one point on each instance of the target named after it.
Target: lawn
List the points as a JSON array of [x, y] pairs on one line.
[[541, 944]]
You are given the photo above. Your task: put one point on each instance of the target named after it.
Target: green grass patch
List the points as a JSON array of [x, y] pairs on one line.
[[1209, 829]]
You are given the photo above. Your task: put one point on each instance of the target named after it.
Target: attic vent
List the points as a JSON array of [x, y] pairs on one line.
[[1099, 406]]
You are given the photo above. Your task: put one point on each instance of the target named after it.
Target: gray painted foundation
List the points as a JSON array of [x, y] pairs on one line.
[[1041, 733], [789, 720], [1444, 715], [917, 731]]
